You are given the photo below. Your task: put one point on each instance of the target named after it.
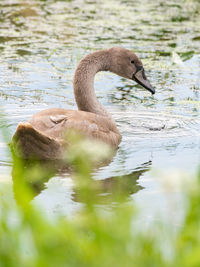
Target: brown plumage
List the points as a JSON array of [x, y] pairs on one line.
[[44, 135]]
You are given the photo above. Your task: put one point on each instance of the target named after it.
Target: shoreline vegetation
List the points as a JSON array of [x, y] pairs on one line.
[[94, 235]]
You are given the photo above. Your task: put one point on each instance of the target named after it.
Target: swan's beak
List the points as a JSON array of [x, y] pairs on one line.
[[141, 78]]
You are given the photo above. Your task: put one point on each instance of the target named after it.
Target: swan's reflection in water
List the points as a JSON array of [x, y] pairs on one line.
[[112, 188], [106, 191]]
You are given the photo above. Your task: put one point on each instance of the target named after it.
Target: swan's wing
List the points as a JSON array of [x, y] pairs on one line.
[[56, 124], [44, 136], [28, 142]]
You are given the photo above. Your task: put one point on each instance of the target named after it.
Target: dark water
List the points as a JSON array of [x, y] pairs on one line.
[[41, 43]]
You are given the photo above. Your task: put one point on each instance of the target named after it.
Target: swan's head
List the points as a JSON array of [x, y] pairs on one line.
[[126, 64]]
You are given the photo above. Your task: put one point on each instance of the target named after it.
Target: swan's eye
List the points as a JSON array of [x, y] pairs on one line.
[[132, 62]]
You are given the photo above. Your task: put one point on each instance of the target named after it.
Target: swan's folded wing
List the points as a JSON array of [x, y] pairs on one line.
[[90, 125], [29, 142], [97, 128]]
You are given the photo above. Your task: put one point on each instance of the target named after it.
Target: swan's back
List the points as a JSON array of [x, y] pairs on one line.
[[44, 135]]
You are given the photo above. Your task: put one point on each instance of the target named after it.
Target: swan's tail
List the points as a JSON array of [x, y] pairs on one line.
[[28, 143]]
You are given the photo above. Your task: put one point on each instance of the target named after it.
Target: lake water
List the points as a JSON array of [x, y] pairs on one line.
[[41, 43]]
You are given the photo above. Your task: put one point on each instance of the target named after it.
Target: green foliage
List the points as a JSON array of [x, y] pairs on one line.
[[96, 235]]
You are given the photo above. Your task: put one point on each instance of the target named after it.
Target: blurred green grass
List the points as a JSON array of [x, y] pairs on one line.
[[93, 236]]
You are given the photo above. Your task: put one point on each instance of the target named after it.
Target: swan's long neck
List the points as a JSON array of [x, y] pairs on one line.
[[84, 81]]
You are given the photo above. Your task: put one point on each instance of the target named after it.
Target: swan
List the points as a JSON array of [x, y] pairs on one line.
[[44, 135]]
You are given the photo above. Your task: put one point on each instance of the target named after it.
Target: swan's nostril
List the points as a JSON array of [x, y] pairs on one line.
[[144, 75]]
